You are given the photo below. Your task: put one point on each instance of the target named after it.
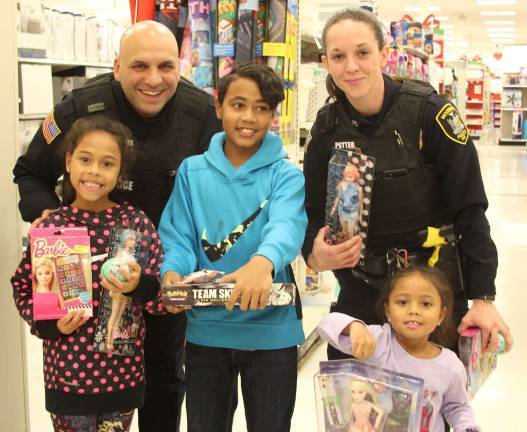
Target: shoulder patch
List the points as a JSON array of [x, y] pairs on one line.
[[50, 129], [452, 125]]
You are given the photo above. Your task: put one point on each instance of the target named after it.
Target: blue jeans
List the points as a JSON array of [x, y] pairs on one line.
[[268, 382]]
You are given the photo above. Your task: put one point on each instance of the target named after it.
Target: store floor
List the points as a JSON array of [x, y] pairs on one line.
[[499, 406]]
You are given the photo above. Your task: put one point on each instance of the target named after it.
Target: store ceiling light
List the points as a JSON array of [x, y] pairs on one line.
[[500, 35], [499, 22], [495, 2], [501, 29], [502, 41], [498, 13], [418, 8]]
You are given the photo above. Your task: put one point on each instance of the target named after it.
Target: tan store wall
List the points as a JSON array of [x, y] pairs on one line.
[[12, 412]]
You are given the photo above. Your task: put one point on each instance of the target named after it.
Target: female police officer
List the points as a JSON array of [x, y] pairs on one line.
[[426, 174]]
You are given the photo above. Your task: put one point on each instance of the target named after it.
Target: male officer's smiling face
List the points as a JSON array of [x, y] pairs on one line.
[[148, 67]]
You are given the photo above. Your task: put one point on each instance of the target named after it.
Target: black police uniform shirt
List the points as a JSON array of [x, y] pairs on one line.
[[445, 145], [182, 128]]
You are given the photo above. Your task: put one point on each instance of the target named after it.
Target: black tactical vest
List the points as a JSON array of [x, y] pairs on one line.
[[406, 193], [149, 183]]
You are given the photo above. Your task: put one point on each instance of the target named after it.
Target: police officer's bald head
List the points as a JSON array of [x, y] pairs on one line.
[[148, 66], [147, 29]]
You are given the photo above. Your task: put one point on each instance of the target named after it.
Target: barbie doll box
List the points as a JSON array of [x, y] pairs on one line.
[[61, 271], [202, 289], [119, 319], [479, 365], [349, 190], [357, 396]]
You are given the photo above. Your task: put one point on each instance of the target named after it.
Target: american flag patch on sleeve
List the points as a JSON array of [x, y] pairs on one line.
[[50, 129]]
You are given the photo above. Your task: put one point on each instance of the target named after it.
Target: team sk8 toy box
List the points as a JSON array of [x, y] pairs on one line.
[[357, 396], [202, 289], [61, 272]]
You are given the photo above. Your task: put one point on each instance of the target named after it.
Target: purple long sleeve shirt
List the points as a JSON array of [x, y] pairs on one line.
[[444, 376]]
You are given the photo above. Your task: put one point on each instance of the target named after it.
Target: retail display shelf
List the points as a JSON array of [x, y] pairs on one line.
[[515, 85], [32, 116], [514, 109], [57, 62]]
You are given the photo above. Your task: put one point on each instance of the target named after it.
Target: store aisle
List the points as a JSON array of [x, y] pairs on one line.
[[499, 405]]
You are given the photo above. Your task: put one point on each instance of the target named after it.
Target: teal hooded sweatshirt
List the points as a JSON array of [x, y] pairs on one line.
[[217, 218]]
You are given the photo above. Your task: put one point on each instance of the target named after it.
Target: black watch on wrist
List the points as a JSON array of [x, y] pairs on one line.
[[485, 298]]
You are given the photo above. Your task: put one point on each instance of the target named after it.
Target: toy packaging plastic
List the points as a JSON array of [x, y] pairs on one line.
[[202, 289], [357, 396], [119, 321], [349, 190], [479, 365], [61, 274]]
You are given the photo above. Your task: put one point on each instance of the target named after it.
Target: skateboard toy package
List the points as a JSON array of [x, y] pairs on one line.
[[61, 273], [349, 191], [119, 319], [202, 289], [479, 365], [356, 396]]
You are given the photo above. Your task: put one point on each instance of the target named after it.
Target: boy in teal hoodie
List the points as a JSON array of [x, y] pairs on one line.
[[239, 208]]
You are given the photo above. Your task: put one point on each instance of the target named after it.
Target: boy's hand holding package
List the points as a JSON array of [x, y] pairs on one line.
[[253, 283], [172, 278], [72, 321], [363, 344], [126, 279]]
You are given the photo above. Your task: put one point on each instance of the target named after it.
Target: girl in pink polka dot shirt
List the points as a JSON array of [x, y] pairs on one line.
[[85, 386]]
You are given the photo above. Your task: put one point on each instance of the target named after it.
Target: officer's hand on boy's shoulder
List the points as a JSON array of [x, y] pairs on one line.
[[253, 282]]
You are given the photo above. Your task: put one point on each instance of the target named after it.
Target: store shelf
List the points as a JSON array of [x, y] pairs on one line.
[[514, 85], [516, 141], [32, 116], [70, 63], [514, 109]]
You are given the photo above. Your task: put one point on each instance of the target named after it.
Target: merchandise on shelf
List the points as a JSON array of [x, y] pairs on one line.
[[512, 98], [514, 108], [517, 124]]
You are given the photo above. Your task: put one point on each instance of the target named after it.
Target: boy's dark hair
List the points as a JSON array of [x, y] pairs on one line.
[[268, 82], [445, 334], [353, 14], [81, 128]]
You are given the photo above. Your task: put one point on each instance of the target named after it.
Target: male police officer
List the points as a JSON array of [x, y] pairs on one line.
[[170, 120]]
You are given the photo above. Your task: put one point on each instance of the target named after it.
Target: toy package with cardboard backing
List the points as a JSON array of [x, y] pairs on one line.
[[357, 396]]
